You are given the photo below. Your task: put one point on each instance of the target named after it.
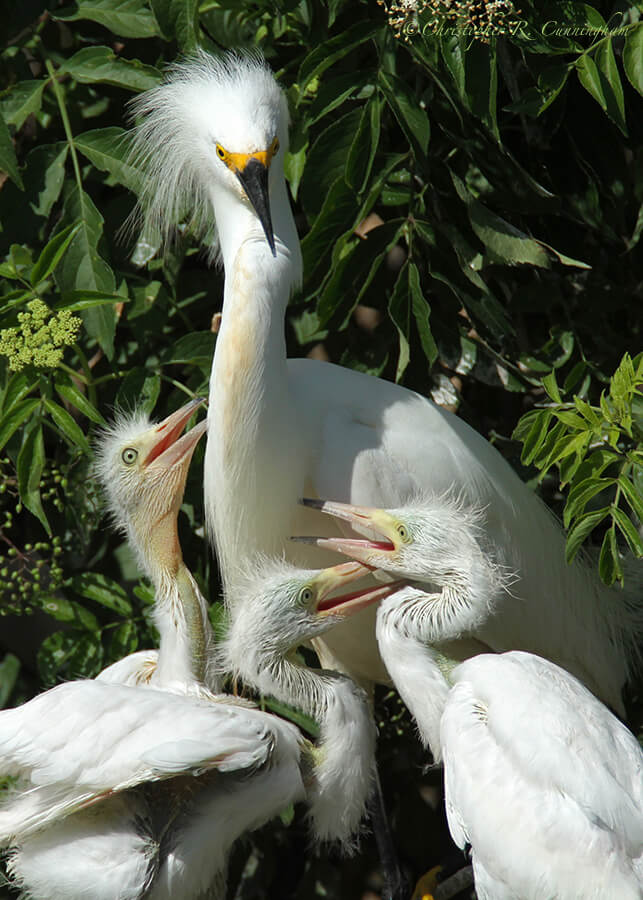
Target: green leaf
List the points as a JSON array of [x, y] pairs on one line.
[[14, 418], [400, 312], [333, 92], [632, 496], [18, 387], [609, 565], [570, 419], [197, 349], [72, 395], [8, 159], [77, 654], [599, 76], [9, 669], [453, 50], [326, 162], [582, 528], [124, 640], [629, 532], [107, 149], [330, 51], [66, 424], [364, 147], [422, 313], [127, 18], [82, 268], [336, 216], [103, 590], [411, 118], [633, 57], [141, 389], [64, 610], [581, 494], [77, 301], [29, 466], [531, 430], [178, 19], [52, 254], [22, 100], [551, 386], [354, 273], [481, 83], [93, 65]]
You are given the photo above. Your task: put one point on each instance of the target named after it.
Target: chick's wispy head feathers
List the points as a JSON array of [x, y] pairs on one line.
[[142, 467], [232, 101]]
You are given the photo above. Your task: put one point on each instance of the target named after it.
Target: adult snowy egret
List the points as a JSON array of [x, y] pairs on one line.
[[275, 608], [212, 139], [541, 779]]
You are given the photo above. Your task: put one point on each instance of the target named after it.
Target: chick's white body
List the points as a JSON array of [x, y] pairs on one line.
[[543, 782]]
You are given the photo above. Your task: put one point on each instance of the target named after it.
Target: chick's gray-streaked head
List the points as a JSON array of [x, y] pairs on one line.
[[196, 131], [276, 607]]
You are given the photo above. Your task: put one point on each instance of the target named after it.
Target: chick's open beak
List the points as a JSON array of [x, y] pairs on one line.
[[358, 516], [166, 447], [346, 604], [252, 171]]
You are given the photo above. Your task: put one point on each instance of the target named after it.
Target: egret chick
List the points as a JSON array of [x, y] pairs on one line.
[[148, 784], [541, 779], [275, 608], [465, 593], [143, 468]]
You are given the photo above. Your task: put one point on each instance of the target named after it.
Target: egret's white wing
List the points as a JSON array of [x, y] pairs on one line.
[[84, 740], [542, 780], [104, 852], [134, 669]]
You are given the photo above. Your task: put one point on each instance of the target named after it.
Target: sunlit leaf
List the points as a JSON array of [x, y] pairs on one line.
[[127, 18], [30, 464]]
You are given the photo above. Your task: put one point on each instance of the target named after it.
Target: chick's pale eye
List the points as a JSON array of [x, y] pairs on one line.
[[305, 595], [403, 533], [129, 455]]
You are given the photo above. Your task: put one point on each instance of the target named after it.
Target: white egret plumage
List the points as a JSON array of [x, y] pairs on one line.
[[152, 780], [275, 608], [541, 779], [211, 140]]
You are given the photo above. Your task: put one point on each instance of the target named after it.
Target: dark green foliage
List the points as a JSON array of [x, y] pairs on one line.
[[471, 211]]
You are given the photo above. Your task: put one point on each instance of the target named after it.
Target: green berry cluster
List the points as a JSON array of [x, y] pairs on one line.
[[40, 338], [29, 571]]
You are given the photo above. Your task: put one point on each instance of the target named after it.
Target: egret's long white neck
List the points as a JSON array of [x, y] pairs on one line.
[[186, 641], [344, 756], [253, 453], [413, 665]]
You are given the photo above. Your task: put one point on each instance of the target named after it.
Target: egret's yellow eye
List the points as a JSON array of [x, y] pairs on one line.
[[220, 151], [403, 533], [305, 595], [129, 455]]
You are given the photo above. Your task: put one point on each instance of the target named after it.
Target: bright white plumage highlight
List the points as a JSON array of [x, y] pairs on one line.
[[153, 780], [280, 430], [541, 779], [275, 608]]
